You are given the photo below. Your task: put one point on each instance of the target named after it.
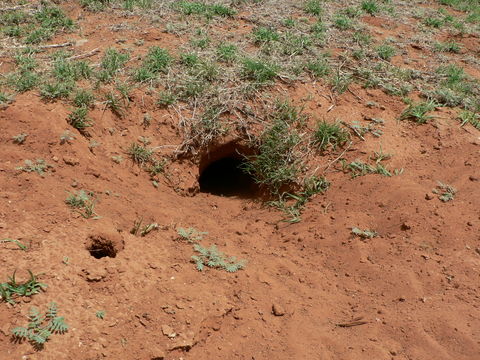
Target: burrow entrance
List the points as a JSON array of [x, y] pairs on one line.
[[102, 245], [222, 174]]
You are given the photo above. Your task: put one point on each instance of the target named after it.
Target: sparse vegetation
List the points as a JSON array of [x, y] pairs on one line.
[[214, 258], [11, 289], [364, 234], [41, 327], [39, 166], [329, 135], [82, 202], [418, 112], [445, 192]]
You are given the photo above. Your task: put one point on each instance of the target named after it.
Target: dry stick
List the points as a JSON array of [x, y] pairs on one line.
[[81, 56], [338, 158], [353, 129], [13, 8]]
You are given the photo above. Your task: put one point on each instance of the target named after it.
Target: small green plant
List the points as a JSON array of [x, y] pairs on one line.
[[190, 235], [66, 137], [100, 314], [20, 245], [56, 90], [364, 234], [156, 61], [276, 164], [451, 47], [214, 258], [264, 34], [418, 112], [370, 7], [342, 22], [360, 168], [318, 68], [469, 117], [259, 71], [41, 327], [79, 120], [19, 139], [329, 135], [227, 52], [385, 52], [138, 229], [111, 64], [83, 202], [433, 22], [445, 192], [313, 7], [200, 8], [139, 154], [166, 98], [39, 166], [83, 98], [11, 289]]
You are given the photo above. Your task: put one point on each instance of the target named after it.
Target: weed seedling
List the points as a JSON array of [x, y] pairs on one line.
[[79, 120], [12, 289], [100, 314], [39, 166], [445, 192], [418, 112], [19, 139], [82, 202], [41, 327], [214, 258], [329, 135], [190, 235], [16, 242]]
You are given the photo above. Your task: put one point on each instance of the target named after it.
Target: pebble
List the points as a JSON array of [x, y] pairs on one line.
[[278, 310], [429, 196], [168, 331]]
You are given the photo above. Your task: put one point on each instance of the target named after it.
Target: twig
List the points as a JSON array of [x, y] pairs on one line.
[[13, 8], [82, 56], [354, 322], [354, 130], [51, 46], [337, 158]]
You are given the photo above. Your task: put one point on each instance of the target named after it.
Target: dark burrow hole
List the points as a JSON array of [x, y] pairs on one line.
[[101, 249], [225, 177]]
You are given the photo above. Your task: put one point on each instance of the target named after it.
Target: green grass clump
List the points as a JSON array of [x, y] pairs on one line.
[[11, 289], [370, 7], [418, 112], [78, 118], [329, 135], [342, 22], [41, 327], [313, 7], [56, 90], [139, 154], [451, 47], [276, 164], [227, 52], [156, 61], [200, 8], [259, 71], [264, 34], [214, 258], [83, 202], [83, 98], [385, 52], [318, 68], [111, 64], [469, 117]]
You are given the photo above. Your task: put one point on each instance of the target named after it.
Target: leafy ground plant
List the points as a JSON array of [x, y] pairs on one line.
[[41, 327], [418, 112], [445, 192], [191, 235], [329, 135], [82, 202], [39, 166], [214, 258], [12, 289]]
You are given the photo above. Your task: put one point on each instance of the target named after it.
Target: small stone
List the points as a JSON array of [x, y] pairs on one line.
[[477, 250], [429, 196], [74, 184], [278, 310], [54, 158], [402, 299], [168, 331], [95, 274], [473, 178], [70, 160], [406, 226]]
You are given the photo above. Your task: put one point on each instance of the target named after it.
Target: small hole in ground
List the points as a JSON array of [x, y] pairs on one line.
[[104, 245], [225, 177]]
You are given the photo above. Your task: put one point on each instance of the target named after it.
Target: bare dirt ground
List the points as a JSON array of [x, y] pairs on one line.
[[310, 289]]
